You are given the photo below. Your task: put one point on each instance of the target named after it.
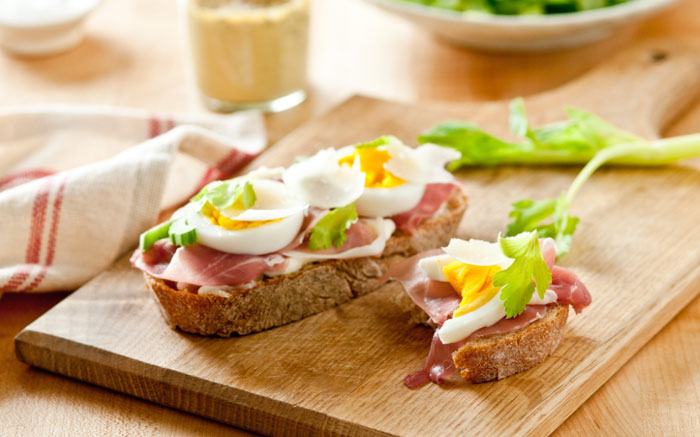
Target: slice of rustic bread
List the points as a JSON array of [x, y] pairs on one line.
[[316, 287], [498, 356]]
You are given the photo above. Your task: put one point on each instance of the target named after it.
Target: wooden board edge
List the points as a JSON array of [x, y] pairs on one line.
[[647, 326], [154, 384]]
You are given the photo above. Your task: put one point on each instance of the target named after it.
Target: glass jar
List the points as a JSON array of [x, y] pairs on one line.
[[249, 54]]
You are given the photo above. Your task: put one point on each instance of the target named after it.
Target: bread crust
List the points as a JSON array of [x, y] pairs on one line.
[[498, 356], [316, 287]]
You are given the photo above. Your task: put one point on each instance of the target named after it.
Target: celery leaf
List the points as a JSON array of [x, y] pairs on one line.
[[330, 230], [528, 267], [223, 194]]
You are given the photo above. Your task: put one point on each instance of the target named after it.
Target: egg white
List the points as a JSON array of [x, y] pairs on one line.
[[459, 328], [260, 240], [433, 265], [385, 202]]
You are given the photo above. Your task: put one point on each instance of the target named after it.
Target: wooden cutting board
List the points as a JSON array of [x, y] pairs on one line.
[[341, 371]]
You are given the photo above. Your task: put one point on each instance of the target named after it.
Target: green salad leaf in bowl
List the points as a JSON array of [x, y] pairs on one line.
[[519, 7], [523, 25]]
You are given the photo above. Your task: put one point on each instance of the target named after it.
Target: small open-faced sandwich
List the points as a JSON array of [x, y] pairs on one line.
[[498, 308], [277, 245]]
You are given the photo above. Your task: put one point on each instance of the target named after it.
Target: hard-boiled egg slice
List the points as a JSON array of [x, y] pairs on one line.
[[384, 194], [271, 224], [323, 182], [433, 265], [385, 202], [266, 238], [478, 253]]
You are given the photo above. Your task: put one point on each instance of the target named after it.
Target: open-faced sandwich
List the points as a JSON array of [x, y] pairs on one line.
[[277, 245], [498, 308]]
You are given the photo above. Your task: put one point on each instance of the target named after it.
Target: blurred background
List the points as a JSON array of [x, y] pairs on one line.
[[134, 54]]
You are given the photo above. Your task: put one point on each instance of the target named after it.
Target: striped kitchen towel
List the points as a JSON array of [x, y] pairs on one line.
[[75, 192]]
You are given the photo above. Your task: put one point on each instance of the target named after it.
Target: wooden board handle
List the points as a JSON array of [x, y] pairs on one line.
[[642, 89]]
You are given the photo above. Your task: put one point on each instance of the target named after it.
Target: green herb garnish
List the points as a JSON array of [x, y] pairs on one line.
[[528, 266], [584, 138], [223, 194], [330, 230], [530, 214], [182, 233], [574, 141], [158, 232]]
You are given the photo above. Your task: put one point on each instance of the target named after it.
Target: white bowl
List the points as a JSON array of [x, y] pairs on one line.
[[524, 33], [42, 27]]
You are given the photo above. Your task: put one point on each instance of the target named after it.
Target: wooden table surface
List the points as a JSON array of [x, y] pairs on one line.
[[133, 56]]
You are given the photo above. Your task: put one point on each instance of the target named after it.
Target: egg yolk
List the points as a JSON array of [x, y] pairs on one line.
[[218, 219], [372, 160], [474, 283]]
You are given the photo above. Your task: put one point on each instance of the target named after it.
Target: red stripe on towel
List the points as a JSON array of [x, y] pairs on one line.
[[18, 277], [153, 127], [34, 243], [53, 232], [22, 177], [37, 225]]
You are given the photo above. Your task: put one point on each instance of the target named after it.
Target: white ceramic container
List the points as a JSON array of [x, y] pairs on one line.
[[524, 33], [42, 27]]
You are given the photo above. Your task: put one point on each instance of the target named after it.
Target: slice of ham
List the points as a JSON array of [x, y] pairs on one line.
[[434, 197], [440, 364], [531, 314], [569, 288], [313, 215], [156, 259], [200, 265], [437, 298], [549, 251]]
